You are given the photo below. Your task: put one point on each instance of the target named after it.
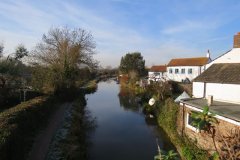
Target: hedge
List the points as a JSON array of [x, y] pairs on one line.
[[19, 125]]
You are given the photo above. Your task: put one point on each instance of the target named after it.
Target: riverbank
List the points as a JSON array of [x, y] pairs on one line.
[[20, 125], [167, 119], [71, 138]]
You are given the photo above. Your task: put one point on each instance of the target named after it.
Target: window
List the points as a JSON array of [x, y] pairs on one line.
[[183, 70], [176, 71], [190, 71], [189, 122], [170, 70]]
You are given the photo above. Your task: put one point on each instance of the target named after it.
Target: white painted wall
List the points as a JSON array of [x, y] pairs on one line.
[[198, 89], [224, 92], [220, 92], [232, 56], [196, 70]]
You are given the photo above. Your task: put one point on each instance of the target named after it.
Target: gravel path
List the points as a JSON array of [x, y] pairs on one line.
[[43, 140]]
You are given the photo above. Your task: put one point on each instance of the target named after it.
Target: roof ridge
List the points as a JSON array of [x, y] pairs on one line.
[[189, 58]]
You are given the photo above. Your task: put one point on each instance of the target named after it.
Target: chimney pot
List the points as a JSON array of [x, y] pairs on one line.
[[236, 40], [208, 54]]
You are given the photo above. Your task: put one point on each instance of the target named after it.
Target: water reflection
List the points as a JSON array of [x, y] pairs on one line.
[[122, 130], [128, 100]]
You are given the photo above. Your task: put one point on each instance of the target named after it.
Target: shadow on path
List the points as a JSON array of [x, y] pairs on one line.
[[43, 140]]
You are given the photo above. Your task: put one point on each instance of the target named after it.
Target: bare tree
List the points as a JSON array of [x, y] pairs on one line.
[[230, 144], [63, 51]]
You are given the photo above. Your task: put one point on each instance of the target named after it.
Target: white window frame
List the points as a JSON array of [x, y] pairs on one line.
[[176, 71], [189, 125], [183, 69], [190, 69]]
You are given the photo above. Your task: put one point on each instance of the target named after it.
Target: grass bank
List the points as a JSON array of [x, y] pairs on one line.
[[167, 119]]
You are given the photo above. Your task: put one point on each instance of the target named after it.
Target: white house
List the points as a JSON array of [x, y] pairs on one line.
[[157, 73], [182, 69], [222, 78], [219, 88], [232, 56]]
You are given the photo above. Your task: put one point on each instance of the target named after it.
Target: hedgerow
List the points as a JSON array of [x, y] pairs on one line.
[[19, 125]]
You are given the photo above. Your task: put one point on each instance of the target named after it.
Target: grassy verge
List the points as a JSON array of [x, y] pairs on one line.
[[167, 118], [90, 87], [19, 125]]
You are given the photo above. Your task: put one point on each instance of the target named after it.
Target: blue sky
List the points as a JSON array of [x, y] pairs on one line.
[[159, 29]]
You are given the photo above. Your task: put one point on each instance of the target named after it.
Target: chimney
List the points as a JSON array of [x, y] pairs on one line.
[[236, 40], [208, 54], [209, 100]]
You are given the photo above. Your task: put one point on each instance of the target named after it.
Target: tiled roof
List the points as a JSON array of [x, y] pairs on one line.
[[221, 73], [162, 68], [199, 61]]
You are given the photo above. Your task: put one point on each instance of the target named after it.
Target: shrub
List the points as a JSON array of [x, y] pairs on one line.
[[167, 119]]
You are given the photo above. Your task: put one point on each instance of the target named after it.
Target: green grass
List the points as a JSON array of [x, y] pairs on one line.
[[167, 119]]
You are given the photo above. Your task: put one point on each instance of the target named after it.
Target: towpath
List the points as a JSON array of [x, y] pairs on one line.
[[43, 140]]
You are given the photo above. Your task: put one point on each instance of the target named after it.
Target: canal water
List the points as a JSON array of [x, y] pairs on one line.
[[122, 132]]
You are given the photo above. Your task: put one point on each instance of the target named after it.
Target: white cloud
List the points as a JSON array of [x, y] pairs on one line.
[[190, 25], [12, 39], [26, 16]]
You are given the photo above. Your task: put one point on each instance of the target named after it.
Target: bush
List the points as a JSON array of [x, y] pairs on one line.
[[167, 115], [167, 119]]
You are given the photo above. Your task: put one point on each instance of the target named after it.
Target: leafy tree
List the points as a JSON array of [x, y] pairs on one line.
[[20, 52], [132, 63], [63, 51]]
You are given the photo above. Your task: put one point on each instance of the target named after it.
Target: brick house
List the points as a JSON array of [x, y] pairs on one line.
[[157, 73], [219, 88]]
